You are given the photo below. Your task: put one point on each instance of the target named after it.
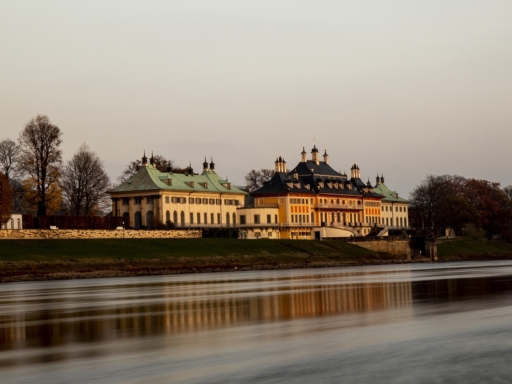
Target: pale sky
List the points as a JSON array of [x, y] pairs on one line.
[[405, 88]]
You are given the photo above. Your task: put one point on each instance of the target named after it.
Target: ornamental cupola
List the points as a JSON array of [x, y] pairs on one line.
[[190, 169], [355, 173], [276, 165], [314, 155], [152, 159], [377, 180], [205, 165], [368, 184], [382, 179], [144, 159], [212, 165], [326, 157], [304, 155]]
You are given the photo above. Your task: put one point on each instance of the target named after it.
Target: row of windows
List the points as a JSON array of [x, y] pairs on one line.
[[257, 219], [338, 217], [301, 218], [199, 218], [397, 209], [372, 204], [300, 201]]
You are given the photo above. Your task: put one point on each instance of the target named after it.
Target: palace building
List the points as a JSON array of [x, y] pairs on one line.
[[187, 200], [315, 201]]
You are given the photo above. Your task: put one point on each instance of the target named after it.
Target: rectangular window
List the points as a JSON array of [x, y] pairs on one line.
[[205, 201], [269, 219], [149, 200], [198, 200], [217, 202], [167, 199], [183, 200], [205, 218], [218, 218], [126, 201], [256, 219], [174, 199], [191, 200], [211, 201], [198, 218], [270, 234], [242, 219], [212, 220], [191, 218], [138, 200], [275, 217]]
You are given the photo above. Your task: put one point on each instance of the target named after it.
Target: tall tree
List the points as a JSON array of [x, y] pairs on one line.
[[5, 199], [255, 179], [10, 156], [40, 160], [84, 183]]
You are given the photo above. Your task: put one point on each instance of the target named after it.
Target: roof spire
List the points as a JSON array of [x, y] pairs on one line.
[[144, 158]]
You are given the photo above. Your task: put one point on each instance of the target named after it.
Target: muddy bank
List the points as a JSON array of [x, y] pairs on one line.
[[62, 270]]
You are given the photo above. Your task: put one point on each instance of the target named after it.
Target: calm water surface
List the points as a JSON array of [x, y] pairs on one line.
[[435, 323]]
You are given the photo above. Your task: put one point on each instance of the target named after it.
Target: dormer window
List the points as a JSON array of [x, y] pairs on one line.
[[204, 185], [190, 184]]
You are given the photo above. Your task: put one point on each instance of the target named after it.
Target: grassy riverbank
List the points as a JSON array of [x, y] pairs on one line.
[[22, 260], [25, 260], [463, 248]]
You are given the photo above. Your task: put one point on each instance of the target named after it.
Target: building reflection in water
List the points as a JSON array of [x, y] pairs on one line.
[[98, 314]]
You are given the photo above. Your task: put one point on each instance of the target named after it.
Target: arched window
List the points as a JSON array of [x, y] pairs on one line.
[[167, 216], [19, 224], [227, 219], [149, 219], [234, 219], [182, 218], [137, 220], [175, 218]]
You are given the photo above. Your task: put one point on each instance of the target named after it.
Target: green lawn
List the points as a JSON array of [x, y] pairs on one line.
[[463, 246], [77, 249]]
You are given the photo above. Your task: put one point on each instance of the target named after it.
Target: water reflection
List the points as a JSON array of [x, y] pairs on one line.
[[38, 320]]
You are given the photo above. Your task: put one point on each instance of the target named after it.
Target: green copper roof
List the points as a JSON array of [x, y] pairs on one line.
[[149, 178], [389, 195]]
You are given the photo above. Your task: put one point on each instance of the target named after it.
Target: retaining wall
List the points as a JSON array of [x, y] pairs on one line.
[[399, 247], [99, 234]]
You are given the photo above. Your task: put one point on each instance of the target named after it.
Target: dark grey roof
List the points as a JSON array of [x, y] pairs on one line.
[[309, 167]]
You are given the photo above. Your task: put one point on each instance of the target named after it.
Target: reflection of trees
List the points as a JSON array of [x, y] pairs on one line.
[[184, 309]]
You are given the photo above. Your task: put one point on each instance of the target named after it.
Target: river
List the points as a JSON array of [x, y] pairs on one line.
[[409, 323]]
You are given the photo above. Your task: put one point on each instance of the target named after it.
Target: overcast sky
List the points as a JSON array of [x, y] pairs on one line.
[[405, 88]]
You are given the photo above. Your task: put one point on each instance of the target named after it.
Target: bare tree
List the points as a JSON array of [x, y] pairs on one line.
[[5, 199], [84, 183], [10, 156], [160, 162], [41, 158], [255, 179]]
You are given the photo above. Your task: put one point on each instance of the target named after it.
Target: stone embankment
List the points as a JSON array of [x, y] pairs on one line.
[[27, 234]]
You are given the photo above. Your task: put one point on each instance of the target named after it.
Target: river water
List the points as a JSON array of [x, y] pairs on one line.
[[410, 323]]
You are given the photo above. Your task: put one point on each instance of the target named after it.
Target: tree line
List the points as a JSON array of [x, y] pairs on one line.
[[35, 180], [478, 208]]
